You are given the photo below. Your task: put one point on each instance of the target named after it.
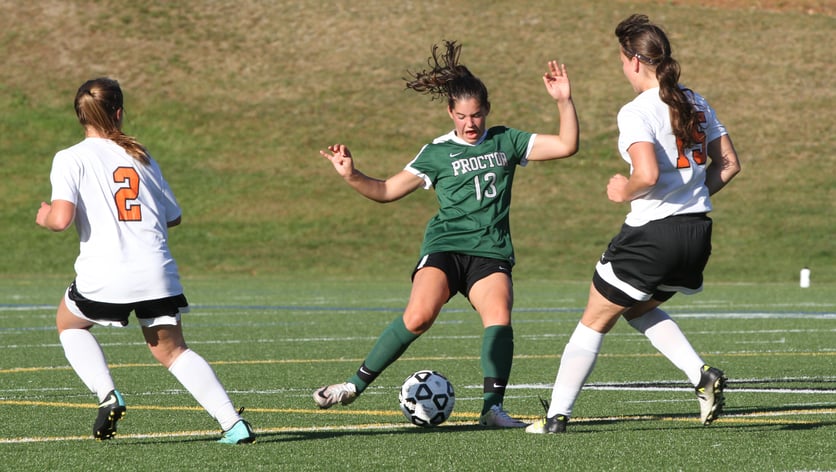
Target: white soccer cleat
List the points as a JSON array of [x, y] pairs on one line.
[[330, 395], [555, 424], [710, 394], [496, 417]]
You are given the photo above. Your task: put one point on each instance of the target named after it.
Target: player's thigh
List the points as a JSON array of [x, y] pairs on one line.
[[493, 297], [430, 292], [600, 314], [65, 319], [641, 308]]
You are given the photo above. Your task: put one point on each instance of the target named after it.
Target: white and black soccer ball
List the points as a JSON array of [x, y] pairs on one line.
[[427, 398]]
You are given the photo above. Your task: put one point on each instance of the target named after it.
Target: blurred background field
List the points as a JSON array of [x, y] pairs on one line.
[[235, 99]]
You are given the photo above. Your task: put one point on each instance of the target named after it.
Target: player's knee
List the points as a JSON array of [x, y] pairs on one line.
[[418, 323]]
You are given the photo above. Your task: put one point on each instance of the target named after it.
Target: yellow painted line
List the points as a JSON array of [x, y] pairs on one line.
[[311, 411], [762, 418], [16, 370], [93, 405], [216, 432], [397, 413], [723, 355]]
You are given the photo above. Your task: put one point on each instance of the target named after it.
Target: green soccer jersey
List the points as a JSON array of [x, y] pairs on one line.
[[473, 186]]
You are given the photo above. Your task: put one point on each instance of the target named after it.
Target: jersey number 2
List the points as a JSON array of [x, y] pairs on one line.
[[126, 207]]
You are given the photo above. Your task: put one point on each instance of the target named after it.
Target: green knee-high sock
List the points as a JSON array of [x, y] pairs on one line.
[[497, 357], [389, 346]]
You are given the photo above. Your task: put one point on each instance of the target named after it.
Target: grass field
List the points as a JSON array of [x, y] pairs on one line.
[[273, 341], [292, 275]]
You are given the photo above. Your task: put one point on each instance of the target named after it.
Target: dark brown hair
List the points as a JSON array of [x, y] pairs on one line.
[[447, 78], [96, 104], [648, 43]]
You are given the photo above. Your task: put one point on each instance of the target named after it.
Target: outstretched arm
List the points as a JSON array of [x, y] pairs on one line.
[[383, 191], [565, 143]]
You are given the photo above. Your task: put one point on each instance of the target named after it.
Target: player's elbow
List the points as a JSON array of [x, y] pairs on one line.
[[572, 149], [645, 179], [733, 168], [58, 227], [386, 198], [568, 147], [58, 222], [729, 167]]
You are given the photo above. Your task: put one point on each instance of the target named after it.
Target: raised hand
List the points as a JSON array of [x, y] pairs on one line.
[[557, 81], [341, 159]]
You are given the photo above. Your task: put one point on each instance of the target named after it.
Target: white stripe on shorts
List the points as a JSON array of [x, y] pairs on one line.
[[605, 272]]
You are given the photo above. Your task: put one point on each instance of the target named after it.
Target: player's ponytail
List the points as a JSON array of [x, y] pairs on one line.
[[447, 78], [96, 104], [648, 43]]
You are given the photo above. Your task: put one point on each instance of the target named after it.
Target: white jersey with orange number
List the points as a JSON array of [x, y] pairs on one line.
[[122, 211], [680, 188]]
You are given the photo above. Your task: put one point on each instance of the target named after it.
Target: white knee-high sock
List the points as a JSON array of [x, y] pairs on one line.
[[197, 376], [667, 338], [576, 364], [86, 358]]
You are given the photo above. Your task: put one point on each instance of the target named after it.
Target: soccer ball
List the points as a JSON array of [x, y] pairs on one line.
[[427, 398]]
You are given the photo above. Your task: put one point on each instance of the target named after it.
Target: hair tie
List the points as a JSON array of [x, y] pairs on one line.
[[644, 58]]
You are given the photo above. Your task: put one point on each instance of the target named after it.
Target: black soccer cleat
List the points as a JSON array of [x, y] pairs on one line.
[[111, 410]]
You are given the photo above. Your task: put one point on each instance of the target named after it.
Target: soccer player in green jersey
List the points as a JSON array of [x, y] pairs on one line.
[[467, 245]]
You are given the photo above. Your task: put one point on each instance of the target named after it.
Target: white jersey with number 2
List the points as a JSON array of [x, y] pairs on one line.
[[680, 188], [122, 211]]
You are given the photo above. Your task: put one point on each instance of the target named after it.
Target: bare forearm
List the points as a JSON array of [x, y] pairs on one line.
[[569, 131], [369, 187], [565, 142], [57, 216], [52, 224], [724, 164], [384, 191], [718, 176]]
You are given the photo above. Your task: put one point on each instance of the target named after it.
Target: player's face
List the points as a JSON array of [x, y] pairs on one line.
[[469, 118]]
